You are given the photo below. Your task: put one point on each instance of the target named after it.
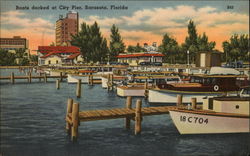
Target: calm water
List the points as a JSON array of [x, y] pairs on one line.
[[32, 124]]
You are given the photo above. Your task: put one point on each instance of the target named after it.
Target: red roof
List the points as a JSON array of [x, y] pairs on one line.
[[73, 56], [58, 49], [49, 54], [138, 55]]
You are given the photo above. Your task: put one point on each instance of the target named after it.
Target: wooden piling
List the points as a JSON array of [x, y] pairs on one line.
[[45, 77], [29, 77], [179, 100], [146, 89], [61, 77], [128, 106], [193, 101], [75, 121], [108, 82], [40, 74], [112, 81], [57, 84], [69, 111], [78, 88], [138, 117], [12, 78]]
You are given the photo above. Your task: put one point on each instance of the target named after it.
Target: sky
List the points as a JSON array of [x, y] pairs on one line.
[[142, 22]]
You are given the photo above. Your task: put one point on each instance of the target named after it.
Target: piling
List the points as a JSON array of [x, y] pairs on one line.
[[45, 77], [12, 78], [29, 77], [75, 121], [179, 100], [40, 74], [69, 111], [57, 84], [138, 117], [61, 77], [193, 102], [108, 82], [128, 106], [78, 88], [112, 79], [146, 89]]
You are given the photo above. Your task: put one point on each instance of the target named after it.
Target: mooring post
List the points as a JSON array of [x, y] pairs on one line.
[[91, 79], [138, 117], [193, 101], [108, 84], [78, 88], [12, 78], [112, 79], [69, 110], [45, 77], [128, 106], [29, 77], [40, 74], [61, 77], [179, 100], [57, 84], [146, 88], [75, 121]]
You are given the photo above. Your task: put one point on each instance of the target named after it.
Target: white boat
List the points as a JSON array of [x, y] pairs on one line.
[[219, 115], [199, 86], [116, 80], [74, 78], [138, 89]]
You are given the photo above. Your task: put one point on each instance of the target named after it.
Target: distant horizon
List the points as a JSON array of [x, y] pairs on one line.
[[138, 22]]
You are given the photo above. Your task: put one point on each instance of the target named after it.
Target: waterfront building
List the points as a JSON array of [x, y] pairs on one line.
[[14, 43], [65, 27], [208, 59], [58, 55], [150, 48], [137, 58]]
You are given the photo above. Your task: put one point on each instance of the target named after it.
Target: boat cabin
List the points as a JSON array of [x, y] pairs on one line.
[[233, 104]]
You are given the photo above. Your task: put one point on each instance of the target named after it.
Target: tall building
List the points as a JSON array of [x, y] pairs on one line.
[[13, 43], [65, 27]]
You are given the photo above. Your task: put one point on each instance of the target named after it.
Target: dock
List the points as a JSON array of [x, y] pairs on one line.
[[74, 116], [29, 77]]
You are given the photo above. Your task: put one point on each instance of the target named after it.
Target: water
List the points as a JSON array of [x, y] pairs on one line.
[[32, 124]]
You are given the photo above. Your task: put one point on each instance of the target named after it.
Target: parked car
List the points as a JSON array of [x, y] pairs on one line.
[[145, 63]]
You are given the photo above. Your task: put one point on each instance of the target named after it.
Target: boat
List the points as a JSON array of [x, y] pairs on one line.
[[199, 86], [116, 80], [137, 88], [219, 115], [83, 75]]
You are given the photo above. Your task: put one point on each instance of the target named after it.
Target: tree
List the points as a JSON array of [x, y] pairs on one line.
[[131, 49], [237, 48], [116, 44], [169, 48], [7, 58], [203, 44], [91, 43]]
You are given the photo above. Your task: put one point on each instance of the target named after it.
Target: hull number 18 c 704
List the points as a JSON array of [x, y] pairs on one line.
[[191, 119]]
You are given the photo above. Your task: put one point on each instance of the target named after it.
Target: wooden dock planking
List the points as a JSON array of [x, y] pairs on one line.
[[127, 113]]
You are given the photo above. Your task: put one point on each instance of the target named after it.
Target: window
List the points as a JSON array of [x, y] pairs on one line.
[[56, 61], [237, 106], [49, 62], [210, 104]]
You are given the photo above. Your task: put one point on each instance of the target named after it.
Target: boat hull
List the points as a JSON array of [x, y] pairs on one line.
[[191, 123], [158, 96], [123, 91], [74, 79]]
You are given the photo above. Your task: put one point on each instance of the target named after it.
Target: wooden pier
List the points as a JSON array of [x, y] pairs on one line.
[[74, 116], [29, 77]]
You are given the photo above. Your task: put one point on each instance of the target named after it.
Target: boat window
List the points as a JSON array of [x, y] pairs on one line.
[[160, 81], [196, 80], [210, 104], [246, 91]]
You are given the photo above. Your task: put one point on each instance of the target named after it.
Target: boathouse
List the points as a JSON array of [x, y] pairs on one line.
[[208, 59], [136, 58], [58, 55]]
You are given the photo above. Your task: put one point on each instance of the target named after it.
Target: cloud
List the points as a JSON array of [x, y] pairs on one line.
[[145, 25]]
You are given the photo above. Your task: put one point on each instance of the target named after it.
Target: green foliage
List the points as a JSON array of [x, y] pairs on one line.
[[6, 58], [237, 48], [91, 43], [134, 49], [116, 44], [170, 49]]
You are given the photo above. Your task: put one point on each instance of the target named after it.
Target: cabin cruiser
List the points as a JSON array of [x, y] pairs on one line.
[[199, 86], [219, 115]]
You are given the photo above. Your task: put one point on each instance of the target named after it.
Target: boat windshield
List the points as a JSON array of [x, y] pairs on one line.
[[205, 81]]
